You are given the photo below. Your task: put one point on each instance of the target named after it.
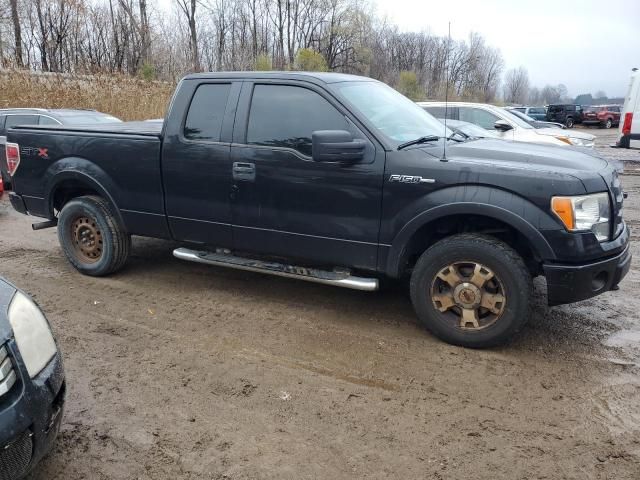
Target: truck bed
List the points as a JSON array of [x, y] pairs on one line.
[[120, 160]]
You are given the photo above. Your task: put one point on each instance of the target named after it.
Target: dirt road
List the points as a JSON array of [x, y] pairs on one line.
[[182, 371]]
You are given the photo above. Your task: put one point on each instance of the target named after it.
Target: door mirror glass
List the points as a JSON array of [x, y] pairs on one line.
[[502, 126], [336, 146]]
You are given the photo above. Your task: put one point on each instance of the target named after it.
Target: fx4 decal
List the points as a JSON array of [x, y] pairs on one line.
[[39, 151], [410, 179]]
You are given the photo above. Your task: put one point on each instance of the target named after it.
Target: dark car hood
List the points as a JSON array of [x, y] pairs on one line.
[[532, 156], [6, 294]]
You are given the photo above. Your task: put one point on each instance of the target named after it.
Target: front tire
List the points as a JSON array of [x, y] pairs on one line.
[[91, 236], [471, 290], [608, 123], [569, 122]]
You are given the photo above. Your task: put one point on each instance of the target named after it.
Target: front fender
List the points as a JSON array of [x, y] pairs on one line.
[[520, 214]]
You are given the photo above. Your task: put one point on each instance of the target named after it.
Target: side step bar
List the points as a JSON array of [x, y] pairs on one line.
[[220, 259]]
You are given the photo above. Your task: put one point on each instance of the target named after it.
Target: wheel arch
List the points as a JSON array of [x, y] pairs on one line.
[[72, 178], [445, 220]]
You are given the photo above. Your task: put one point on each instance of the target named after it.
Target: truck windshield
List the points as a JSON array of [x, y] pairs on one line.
[[392, 114]]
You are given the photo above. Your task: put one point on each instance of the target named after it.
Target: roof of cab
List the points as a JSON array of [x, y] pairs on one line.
[[323, 77]]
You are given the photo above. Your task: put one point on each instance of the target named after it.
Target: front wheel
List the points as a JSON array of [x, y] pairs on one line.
[[92, 238], [608, 123], [569, 122], [471, 290]]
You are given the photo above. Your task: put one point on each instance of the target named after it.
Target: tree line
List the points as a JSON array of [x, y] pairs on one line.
[[139, 38]]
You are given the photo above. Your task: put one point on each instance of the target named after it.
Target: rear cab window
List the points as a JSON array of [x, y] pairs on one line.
[[206, 112]]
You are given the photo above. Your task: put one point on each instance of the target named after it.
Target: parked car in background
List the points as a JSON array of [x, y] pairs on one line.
[[32, 385], [606, 116], [468, 129], [629, 130], [340, 180], [537, 113], [507, 125], [10, 117], [566, 114], [532, 121]]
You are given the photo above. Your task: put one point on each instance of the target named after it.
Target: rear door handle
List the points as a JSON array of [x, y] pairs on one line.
[[244, 171]]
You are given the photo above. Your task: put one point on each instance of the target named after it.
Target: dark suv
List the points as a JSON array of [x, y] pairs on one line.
[[606, 116], [10, 117], [567, 114]]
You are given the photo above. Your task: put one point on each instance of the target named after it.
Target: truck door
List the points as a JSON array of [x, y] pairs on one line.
[[284, 203], [196, 165]]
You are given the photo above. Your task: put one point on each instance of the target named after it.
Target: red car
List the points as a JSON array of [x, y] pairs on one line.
[[606, 116]]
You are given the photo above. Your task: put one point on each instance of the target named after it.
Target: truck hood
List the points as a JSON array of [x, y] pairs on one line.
[[534, 156]]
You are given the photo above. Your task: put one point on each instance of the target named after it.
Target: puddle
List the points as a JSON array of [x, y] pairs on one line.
[[624, 338]]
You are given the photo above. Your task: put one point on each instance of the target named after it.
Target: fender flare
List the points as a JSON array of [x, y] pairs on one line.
[[81, 171], [397, 250]]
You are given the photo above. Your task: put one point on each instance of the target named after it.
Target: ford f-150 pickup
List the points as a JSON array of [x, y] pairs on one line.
[[335, 179]]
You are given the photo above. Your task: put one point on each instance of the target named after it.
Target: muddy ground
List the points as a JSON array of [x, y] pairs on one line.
[[182, 371]]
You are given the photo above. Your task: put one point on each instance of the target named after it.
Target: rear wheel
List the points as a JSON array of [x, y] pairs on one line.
[[471, 290], [569, 122], [608, 123], [92, 238]]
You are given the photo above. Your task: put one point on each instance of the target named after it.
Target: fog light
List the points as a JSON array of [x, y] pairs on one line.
[[599, 281]]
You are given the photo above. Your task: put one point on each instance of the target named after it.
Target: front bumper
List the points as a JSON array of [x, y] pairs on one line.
[[30, 416], [572, 283]]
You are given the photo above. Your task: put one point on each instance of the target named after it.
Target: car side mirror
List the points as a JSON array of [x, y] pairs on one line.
[[502, 126], [336, 146]]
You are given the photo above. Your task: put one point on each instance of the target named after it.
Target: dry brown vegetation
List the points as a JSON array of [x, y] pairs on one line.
[[125, 97]]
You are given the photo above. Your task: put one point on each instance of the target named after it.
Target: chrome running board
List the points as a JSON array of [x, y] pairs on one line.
[[223, 259]]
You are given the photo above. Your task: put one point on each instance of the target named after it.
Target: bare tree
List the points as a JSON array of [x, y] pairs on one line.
[[188, 7], [17, 32], [516, 85]]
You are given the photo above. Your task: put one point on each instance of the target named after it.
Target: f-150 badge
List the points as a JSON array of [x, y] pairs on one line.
[[410, 179]]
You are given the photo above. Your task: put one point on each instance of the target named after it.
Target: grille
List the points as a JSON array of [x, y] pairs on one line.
[[7, 373], [15, 457]]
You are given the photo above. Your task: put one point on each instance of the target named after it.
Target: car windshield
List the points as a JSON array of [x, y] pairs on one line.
[[513, 118], [521, 115], [392, 114], [470, 129], [88, 118]]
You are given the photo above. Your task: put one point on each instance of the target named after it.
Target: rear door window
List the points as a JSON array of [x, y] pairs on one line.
[[13, 120], [206, 112], [44, 120]]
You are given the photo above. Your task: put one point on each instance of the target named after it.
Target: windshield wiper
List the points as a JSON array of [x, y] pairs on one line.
[[457, 131], [417, 141]]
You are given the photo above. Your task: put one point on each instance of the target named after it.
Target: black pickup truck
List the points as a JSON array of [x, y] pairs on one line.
[[335, 179]]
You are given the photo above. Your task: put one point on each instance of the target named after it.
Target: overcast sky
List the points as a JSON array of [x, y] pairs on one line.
[[588, 45]]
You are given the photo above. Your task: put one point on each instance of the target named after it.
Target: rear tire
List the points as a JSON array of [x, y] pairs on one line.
[[471, 272], [569, 122], [608, 123], [92, 237]]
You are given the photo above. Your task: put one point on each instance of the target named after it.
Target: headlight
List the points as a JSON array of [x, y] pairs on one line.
[[581, 142], [586, 212], [32, 334]]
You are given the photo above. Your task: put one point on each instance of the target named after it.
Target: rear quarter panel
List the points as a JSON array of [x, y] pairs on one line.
[[123, 167]]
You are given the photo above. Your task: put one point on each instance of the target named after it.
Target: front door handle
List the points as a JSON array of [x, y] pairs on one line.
[[244, 171]]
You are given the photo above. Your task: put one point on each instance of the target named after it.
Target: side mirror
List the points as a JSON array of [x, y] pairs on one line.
[[502, 126], [336, 146]]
